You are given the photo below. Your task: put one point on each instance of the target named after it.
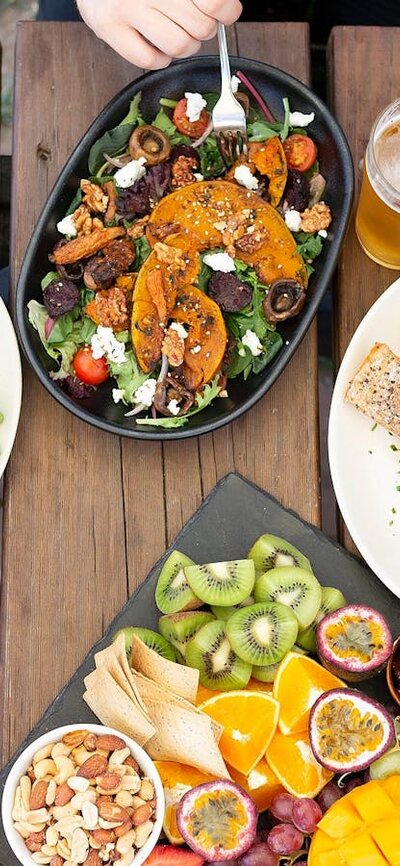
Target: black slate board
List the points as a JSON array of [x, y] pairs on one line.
[[225, 526]]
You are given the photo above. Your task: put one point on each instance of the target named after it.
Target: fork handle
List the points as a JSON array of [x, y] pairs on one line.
[[224, 59]]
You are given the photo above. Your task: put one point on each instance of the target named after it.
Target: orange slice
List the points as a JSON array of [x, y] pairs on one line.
[[291, 759], [298, 683], [258, 686], [177, 779], [204, 694], [261, 784], [249, 720]]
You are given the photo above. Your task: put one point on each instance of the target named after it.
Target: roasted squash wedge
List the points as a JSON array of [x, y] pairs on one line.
[[206, 341], [173, 264], [268, 157], [206, 207]]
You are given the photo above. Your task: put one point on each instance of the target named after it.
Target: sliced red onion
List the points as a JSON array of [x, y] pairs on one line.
[[205, 135], [257, 96], [48, 326], [164, 369], [139, 408], [117, 162], [153, 412]]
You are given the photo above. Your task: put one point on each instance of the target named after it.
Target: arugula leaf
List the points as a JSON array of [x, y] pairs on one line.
[[286, 122], [246, 363], [163, 121], [261, 130], [211, 162], [115, 140], [308, 245], [64, 351], [75, 202], [128, 376], [209, 393], [143, 250], [50, 276]]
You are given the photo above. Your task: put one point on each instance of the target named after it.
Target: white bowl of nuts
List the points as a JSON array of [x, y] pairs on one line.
[[83, 794]]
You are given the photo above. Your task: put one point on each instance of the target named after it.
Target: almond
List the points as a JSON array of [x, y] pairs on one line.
[[108, 782], [63, 795], [130, 762], [103, 836], [110, 742], [37, 798], [56, 861], [35, 841], [74, 738], [113, 812], [93, 859], [142, 814], [124, 828], [104, 798], [94, 766], [90, 742]]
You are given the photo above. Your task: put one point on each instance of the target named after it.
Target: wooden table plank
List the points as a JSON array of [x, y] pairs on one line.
[[364, 76], [86, 514]]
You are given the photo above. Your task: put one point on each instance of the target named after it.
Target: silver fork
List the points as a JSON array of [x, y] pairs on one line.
[[229, 119]]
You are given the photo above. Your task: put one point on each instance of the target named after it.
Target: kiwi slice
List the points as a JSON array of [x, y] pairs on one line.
[[261, 634], [270, 551], [332, 599], [267, 673], [179, 628], [152, 640], [222, 583], [211, 653], [293, 586], [225, 612], [173, 592]]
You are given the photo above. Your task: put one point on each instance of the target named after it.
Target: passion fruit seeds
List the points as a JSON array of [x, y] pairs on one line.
[[354, 642], [218, 820]]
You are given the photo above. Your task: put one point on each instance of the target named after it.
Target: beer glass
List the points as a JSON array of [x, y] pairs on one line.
[[378, 213]]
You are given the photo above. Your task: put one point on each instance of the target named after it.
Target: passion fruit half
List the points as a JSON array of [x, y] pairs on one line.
[[354, 642], [348, 730], [217, 820]]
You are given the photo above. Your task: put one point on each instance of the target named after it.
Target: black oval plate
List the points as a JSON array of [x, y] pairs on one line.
[[202, 75]]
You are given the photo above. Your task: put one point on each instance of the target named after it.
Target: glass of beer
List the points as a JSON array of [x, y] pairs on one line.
[[378, 213]]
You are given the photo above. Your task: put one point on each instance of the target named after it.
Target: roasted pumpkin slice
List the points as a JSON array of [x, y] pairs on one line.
[[173, 264], [206, 341], [270, 160], [207, 207]]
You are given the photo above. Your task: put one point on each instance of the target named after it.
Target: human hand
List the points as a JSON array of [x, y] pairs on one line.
[[151, 33]]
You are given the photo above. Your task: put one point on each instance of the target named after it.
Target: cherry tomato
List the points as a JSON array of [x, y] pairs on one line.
[[92, 371], [300, 151], [193, 129]]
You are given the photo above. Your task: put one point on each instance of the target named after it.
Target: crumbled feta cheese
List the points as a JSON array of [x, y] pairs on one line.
[[252, 342], [105, 344], [130, 173], [144, 393], [117, 394], [180, 330], [293, 220], [194, 106], [220, 262], [323, 233], [67, 226], [173, 407], [195, 350], [198, 175], [235, 83], [244, 176], [296, 118]]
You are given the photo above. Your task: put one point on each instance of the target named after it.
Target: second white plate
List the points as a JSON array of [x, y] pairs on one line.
[[364, 458], [10, 386]]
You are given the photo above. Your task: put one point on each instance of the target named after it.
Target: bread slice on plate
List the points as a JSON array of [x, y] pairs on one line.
[[375, 388]]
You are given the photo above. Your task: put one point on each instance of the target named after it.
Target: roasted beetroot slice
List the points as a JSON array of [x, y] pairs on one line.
[[218, 820], [354, 642], [348, 730]]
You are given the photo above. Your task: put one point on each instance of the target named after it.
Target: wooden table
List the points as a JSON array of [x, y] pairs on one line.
[[86, 514]]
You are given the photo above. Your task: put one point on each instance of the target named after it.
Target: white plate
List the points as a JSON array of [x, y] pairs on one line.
[[10, 385], [365, 466]]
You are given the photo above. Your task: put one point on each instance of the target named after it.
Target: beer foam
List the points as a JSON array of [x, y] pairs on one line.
[[387, 154]]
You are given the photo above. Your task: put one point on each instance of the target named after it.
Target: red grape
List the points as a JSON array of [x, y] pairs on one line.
[[285, 839], [306, 814], [281, 807], [259, 855], [329, 795]]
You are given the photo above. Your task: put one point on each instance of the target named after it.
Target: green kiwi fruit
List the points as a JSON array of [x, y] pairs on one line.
[[211, 653], [267, 673], [270, 551], [152, 640], [173, 592], [180, 628], [332, 599], [225, 612], [222, 583], [261, 634], [293, 586]]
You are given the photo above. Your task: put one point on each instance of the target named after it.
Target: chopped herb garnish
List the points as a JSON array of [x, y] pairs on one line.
[[1, 417], [394, 511], [374, 426]]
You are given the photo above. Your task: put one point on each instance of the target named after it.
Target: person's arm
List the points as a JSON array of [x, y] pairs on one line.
[[151, 33]]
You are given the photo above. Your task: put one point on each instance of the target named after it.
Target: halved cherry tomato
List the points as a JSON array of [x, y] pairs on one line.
[[191, 128], [300, 151], [92, 371]]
